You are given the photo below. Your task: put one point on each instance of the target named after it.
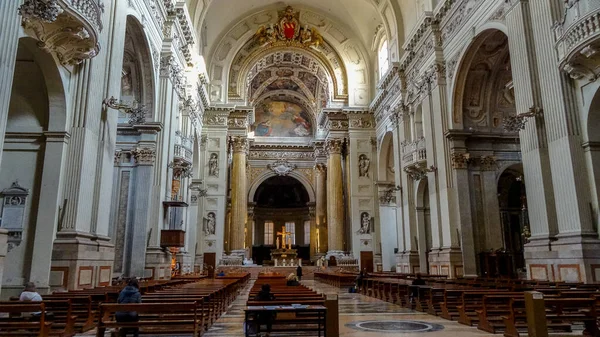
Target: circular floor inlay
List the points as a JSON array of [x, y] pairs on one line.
[[394, 326]]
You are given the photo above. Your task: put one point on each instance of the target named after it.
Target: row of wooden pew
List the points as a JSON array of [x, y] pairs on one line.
[[493, 305], [67, 313], [308, 314]]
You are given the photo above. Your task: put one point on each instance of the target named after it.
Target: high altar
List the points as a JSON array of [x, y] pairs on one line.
[[283, 253]]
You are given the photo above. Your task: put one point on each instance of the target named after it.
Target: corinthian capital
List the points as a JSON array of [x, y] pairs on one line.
[[239, 143], [334, 146], [320, 168], [144, 155]]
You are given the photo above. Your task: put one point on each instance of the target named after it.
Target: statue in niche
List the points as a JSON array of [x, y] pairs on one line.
[[363, 166], [365, 223], [209, 224], [126, 83], [213, 165]]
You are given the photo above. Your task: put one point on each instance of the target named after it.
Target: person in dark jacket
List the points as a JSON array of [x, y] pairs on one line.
[[129, 294], [266, 318], [299, 273], [418, 281]]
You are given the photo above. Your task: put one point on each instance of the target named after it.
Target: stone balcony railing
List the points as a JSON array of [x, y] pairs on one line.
[[578, 38], [414, 152], [70, 29], [182, 153]]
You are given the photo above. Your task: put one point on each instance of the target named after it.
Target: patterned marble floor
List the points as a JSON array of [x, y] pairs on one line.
[[360, 316]]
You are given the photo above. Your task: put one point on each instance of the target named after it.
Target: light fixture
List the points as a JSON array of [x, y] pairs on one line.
[[135, 111]]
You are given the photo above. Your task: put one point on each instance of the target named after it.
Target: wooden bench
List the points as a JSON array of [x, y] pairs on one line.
[[290, 319], [154, 318], [561, 313], [13, 325]]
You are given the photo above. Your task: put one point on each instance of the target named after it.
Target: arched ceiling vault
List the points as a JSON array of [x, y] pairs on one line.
[[343, 54]]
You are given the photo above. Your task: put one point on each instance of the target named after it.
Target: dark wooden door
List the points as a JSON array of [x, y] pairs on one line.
[[366, 261], [210, 261]]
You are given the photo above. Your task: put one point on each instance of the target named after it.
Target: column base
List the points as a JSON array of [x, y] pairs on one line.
[[81, 260], [569, 258], [408, 263], [448, 261], [186, 263], [158, 263]]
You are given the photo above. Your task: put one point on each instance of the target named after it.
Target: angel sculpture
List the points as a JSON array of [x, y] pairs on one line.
[[312, 38], [265, 35]]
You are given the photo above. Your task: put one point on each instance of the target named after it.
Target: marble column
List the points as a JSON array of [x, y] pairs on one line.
[[321, 208], [335, 202], [239, 202], [9, 40]]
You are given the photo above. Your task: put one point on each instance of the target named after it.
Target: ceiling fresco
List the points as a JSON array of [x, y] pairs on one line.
[[276, 118]]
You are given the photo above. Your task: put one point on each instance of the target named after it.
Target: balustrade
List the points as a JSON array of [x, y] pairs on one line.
[[414, 152]]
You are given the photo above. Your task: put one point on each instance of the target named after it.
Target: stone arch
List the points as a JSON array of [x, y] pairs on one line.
[[351, 52], [37, 117], [386, 157], [294, 174], [482, 93], [138, 67]]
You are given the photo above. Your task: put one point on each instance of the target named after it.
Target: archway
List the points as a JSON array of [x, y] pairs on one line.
[[483, 98], [424, 238], [514, 220], [34, 149], [280, 206]]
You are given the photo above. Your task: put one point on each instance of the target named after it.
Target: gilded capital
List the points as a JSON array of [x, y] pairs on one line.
[[321, 168], [239, 143], [488, 163], [334, 146]]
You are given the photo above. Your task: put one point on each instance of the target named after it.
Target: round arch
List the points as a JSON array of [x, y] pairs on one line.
[[481, 73], [296, 175], [57, 103], [386, 150]]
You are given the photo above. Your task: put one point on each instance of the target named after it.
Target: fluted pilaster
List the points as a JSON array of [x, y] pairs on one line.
[[9, 37], [239, 202], [335, 204]]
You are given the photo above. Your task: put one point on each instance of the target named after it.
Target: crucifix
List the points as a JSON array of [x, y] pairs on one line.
[[283, 234]]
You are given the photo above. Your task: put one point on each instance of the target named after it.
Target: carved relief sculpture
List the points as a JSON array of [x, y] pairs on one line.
[[209, 224], [365, 223], [281, 167], [363, 166], [288, 30], [213, 165]]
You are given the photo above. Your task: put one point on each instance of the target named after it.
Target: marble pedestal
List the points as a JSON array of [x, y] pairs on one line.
[[158, 263], [447, 261], [407, 263], [573, 258], [81, 260], [3, 251]]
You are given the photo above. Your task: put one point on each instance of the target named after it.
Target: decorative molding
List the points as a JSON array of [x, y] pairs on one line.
[[362, 123], [320, 168], [68, 29], [239, 144], [460, 160], [281, 167], [169, 68], [334, 146], [144, 155]]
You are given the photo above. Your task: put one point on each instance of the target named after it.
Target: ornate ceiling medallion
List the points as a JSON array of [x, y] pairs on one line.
[[281, 167], [288, 31]]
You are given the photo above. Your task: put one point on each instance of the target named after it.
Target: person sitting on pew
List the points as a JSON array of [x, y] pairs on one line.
[[129, 294], [266, 318], [30, 294], [359, 279], [221, 273], [292, 281]]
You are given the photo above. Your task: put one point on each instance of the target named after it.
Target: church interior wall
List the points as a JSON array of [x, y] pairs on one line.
[[422, 148]]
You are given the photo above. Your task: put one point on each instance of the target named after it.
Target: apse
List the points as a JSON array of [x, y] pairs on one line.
[[281, 192]]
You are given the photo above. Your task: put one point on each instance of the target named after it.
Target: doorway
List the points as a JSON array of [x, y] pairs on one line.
[[366, 261]]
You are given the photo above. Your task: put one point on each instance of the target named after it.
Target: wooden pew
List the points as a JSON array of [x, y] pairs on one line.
[[154, 318], [12, 326]]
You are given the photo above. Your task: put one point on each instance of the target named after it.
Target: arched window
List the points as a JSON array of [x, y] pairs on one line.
[[383, 58]]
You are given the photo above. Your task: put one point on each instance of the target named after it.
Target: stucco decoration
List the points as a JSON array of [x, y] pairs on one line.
[[236, 55]]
